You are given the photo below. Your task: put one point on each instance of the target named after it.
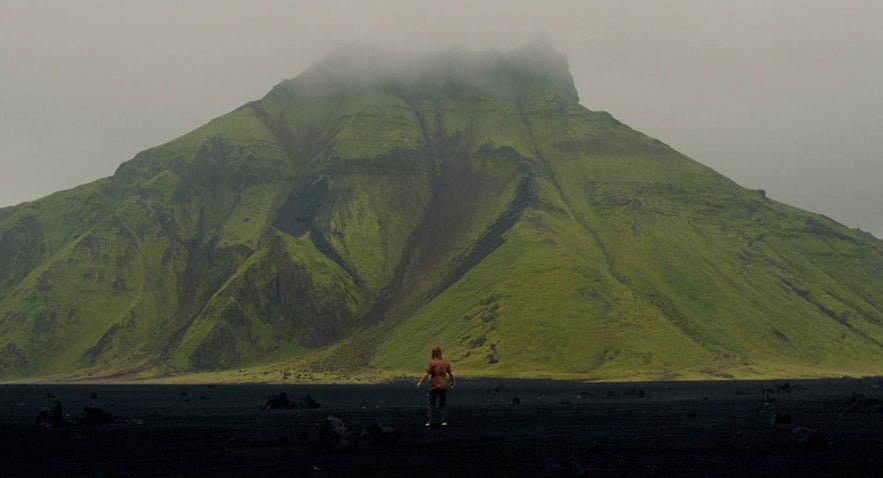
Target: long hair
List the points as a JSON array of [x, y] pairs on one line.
[[436, 352]]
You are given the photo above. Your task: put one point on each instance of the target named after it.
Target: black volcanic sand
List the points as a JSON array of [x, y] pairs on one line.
[[559, 429]]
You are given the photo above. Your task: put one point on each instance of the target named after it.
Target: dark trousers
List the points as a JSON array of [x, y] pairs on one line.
[[440, 396]]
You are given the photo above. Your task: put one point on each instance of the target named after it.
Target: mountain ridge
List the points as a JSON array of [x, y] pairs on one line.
[[346, 222]]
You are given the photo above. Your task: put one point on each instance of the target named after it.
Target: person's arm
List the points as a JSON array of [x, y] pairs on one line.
[[423, 379], [451, 374]]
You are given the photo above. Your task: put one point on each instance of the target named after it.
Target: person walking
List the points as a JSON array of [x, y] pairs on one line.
[[437, 371]]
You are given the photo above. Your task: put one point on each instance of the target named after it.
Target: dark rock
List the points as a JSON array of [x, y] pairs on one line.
[[261, 441], [278, 402], [611, 394], [858, 402], [516, 401], [574, 467], [384, 435], [51, 416], [95, 416], [499, 388], [335, 437], [56, 416], [808, 439], [42, 416], [783, 388], [282, 402], [635, 393], [781, 419], [857, 398], [308, 402], [598, 448]]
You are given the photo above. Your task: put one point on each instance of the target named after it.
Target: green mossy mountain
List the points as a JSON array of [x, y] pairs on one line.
[[378, 204]]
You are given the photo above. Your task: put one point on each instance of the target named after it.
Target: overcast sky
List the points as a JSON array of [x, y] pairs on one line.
[[785, 96]]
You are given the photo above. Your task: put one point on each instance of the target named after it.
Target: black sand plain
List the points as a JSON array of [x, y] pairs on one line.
[[726, 428]]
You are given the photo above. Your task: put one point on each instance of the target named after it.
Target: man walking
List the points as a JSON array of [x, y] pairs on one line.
[[437, 371]]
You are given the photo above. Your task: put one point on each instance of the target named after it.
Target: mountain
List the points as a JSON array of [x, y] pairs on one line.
[[379, 204]]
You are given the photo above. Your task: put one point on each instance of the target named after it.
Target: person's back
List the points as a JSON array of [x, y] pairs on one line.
[[437, 371]]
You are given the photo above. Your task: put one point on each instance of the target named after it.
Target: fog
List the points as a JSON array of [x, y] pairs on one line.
[[353, 67], [783, 96]]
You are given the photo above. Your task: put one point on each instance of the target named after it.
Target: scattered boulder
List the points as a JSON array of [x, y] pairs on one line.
[[51, 416], [766, 392], [95, 416], [611, 394], [282, 402], [858, 402], [782, 388], [261, 441], [56, 416], [384, 435], [500, 388], [598, 448], [308, 402], [335, 437], [574, 467], [635, 393], [278, 402], [781, 419], [808, 439]]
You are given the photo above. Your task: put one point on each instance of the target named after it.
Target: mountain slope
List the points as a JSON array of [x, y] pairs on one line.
[[377, 205]]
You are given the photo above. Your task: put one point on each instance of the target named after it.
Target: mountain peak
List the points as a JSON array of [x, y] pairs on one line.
[[352, 68], [456, 198]]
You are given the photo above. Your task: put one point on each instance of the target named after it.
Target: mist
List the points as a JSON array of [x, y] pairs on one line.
[[352, 68], [782, 96]]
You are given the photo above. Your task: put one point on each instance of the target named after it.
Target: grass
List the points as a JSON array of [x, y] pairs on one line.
[[322, 234]]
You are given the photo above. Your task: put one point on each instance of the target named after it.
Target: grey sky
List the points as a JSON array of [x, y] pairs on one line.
[[785, 96]]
